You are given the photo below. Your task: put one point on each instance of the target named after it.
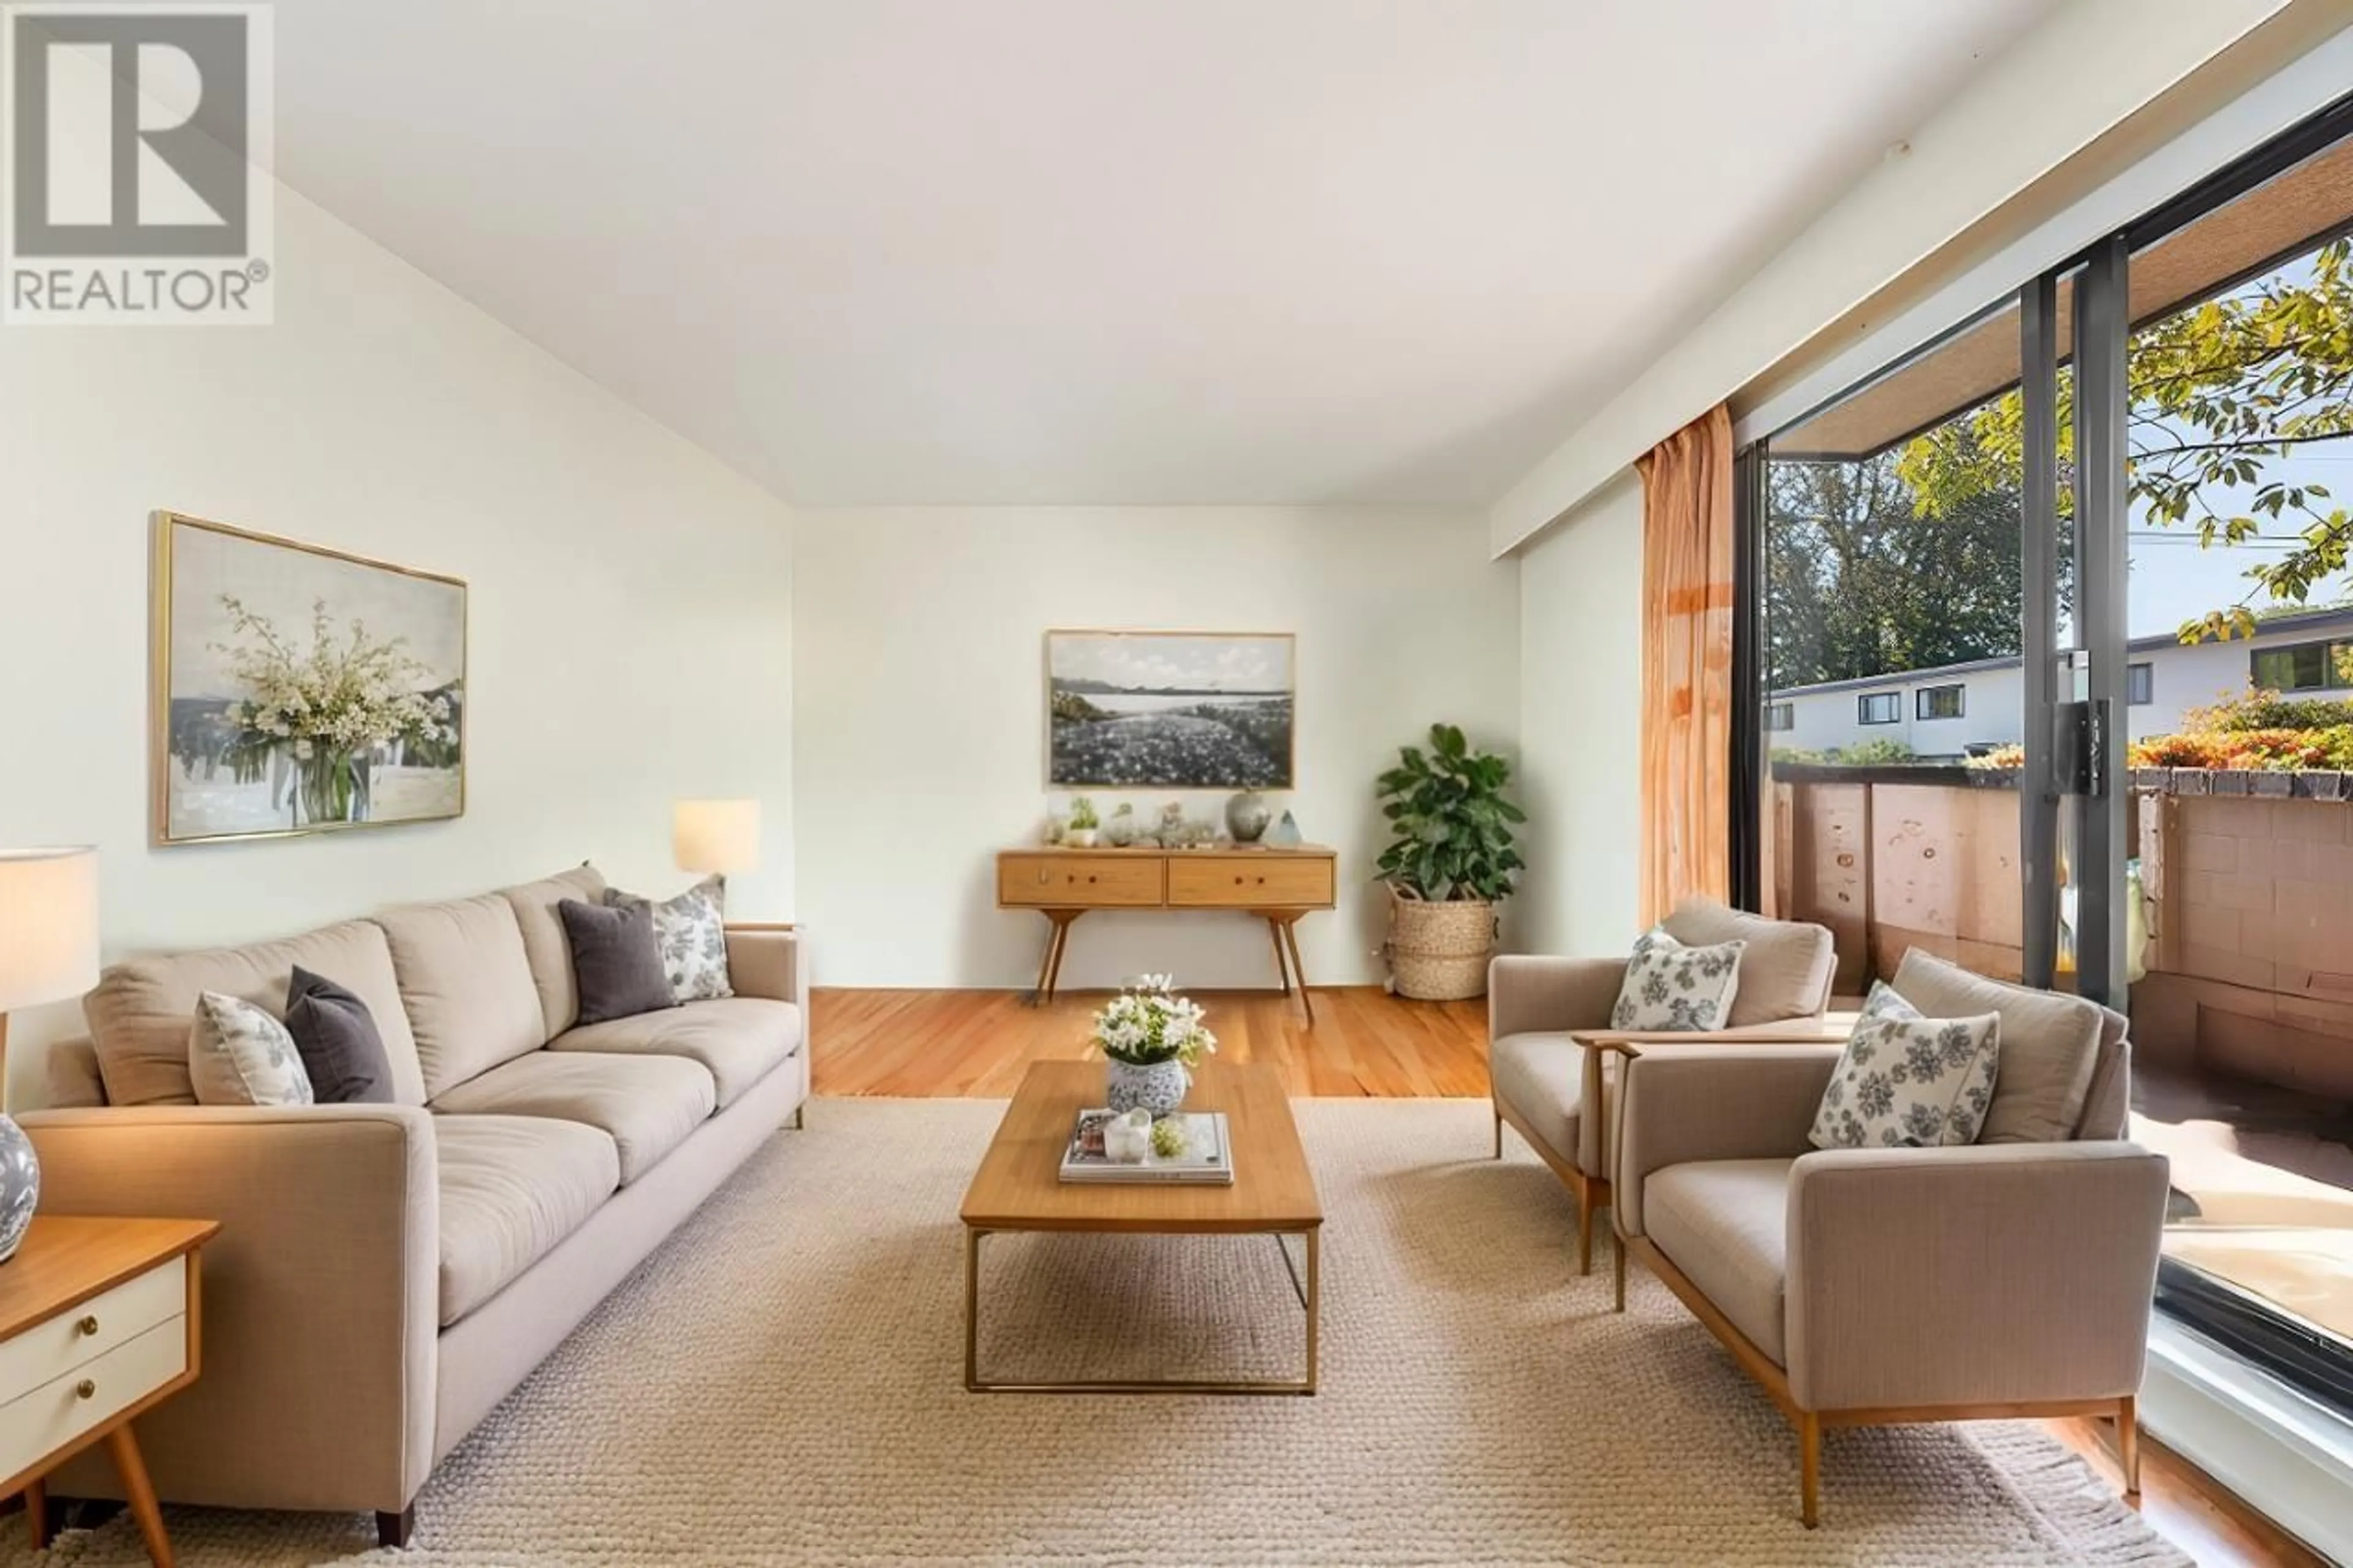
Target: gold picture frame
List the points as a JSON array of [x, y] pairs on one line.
[[1110, 669], [216, 778]]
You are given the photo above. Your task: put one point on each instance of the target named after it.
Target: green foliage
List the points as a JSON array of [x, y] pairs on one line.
[[1454, 826], [1082, 815], [2269, 711], [1863, 583], [2215, 391], [1877, 754]]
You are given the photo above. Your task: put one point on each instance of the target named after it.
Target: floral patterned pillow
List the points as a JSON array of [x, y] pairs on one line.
[[1671, 987], [691, 930], [239, 1055], [1908, 1082]]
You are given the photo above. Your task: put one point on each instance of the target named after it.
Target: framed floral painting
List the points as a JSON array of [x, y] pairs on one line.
[[299, 689]]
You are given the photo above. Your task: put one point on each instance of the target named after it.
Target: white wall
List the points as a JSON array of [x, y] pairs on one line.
[[631, 597], [1581, 726], [920, 749]]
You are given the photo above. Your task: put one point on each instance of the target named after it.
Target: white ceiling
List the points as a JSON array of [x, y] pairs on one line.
[[1172, 251]]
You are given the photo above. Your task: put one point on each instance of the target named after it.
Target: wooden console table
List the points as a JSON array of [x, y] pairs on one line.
[[1276, 885]]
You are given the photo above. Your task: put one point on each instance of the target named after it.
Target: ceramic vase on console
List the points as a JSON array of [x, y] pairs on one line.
[[1247, 814], [1159, 1087]]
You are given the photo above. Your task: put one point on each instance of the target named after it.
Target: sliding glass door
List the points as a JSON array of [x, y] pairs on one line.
[[2052, 656]]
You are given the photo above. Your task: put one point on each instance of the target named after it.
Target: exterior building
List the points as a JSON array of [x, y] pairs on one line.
[[1959, 709]]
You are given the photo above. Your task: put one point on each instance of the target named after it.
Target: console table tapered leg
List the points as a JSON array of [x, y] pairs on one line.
[[1046, 960], [142, 1494], [1282, 960], [1291, 936], [1063, 920]]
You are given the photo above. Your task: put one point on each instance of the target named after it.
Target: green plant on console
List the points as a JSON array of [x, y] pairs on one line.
[[1082, 815], [1452, 823]]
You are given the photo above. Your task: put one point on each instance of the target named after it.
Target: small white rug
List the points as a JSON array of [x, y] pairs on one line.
[[783, 1383]]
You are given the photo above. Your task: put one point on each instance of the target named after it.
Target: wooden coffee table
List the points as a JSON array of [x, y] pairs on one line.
[[1019, 1188]]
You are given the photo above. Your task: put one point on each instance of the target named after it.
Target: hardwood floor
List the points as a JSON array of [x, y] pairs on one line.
[[921, 1044]]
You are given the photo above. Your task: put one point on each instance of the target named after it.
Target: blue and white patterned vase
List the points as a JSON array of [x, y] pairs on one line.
[[20, 1186], [1158, 1088]]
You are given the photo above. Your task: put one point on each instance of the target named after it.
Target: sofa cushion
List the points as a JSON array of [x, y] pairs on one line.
[[1725, 1224], [1908, 1082], [512, 1187], [648, 1105], [139, 1015], [740, 1040], [467, 985], [2050, 1046], [544, 946], [1785, 970]]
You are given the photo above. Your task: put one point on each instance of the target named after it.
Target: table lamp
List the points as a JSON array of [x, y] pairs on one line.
[[720, 836], [48, 952]]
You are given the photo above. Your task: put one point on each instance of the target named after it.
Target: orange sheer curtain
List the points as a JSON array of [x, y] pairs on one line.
[[1687, 664]]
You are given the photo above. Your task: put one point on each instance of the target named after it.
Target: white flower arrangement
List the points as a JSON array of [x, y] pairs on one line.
[[347, 695], [1148, 1023]]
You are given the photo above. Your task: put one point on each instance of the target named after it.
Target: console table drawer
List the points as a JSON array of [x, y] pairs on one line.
[[1079, 881], [1250, 881]]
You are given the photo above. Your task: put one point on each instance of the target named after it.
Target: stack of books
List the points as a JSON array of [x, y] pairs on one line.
[[1207, 1158]]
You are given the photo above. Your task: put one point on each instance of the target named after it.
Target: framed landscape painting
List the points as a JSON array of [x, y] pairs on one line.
[[299, 690], [1169, 709]]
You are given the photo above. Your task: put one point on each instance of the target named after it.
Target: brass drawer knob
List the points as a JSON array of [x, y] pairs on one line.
[[85, 1389], [87, 1327]]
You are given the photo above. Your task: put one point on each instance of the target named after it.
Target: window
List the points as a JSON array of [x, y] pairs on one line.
[[1780, 715], [2140, 684], [1879, 707], [1940, 701], [2303, 666]]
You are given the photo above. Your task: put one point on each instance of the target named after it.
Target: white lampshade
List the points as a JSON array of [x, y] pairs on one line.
[[48, 925], [722, 835]]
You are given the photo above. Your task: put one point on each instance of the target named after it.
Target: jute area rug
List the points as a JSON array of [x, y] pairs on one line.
[[783, 1383]]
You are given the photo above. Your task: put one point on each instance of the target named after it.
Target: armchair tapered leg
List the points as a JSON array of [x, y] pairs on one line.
[[1809, 1468], [1617, 1263], [2128, 1443], [1499, 1132], [1585, 1227]]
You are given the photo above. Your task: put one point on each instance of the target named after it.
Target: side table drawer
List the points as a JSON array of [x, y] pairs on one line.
[[110, 1319], [35, 1424]]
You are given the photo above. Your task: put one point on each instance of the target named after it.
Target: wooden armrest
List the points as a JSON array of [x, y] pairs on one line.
[[1802, 1032]]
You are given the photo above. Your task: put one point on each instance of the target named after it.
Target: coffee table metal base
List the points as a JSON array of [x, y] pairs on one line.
[[1310, 1297]]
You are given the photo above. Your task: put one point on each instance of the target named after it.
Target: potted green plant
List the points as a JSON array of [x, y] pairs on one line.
[[1453, 861], [1084, 824]]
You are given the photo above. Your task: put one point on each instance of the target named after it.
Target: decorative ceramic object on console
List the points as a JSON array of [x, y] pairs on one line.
[[1247, 815]]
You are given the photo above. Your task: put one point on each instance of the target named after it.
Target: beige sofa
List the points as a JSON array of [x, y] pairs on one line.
[[2007, 1277], [386, 1273]]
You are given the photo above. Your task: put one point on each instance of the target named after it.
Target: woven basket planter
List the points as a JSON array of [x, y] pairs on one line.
[[1439, 951]]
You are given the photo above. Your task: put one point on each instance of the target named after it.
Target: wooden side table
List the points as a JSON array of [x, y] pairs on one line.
[[98, 1321]]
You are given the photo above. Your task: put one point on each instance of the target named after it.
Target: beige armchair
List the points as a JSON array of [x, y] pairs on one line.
[[1870, 1286], [1546, 1016]]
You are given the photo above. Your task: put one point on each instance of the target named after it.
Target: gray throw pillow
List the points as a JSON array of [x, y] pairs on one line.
[[615, 962], [691, 930], [340, 1047]]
